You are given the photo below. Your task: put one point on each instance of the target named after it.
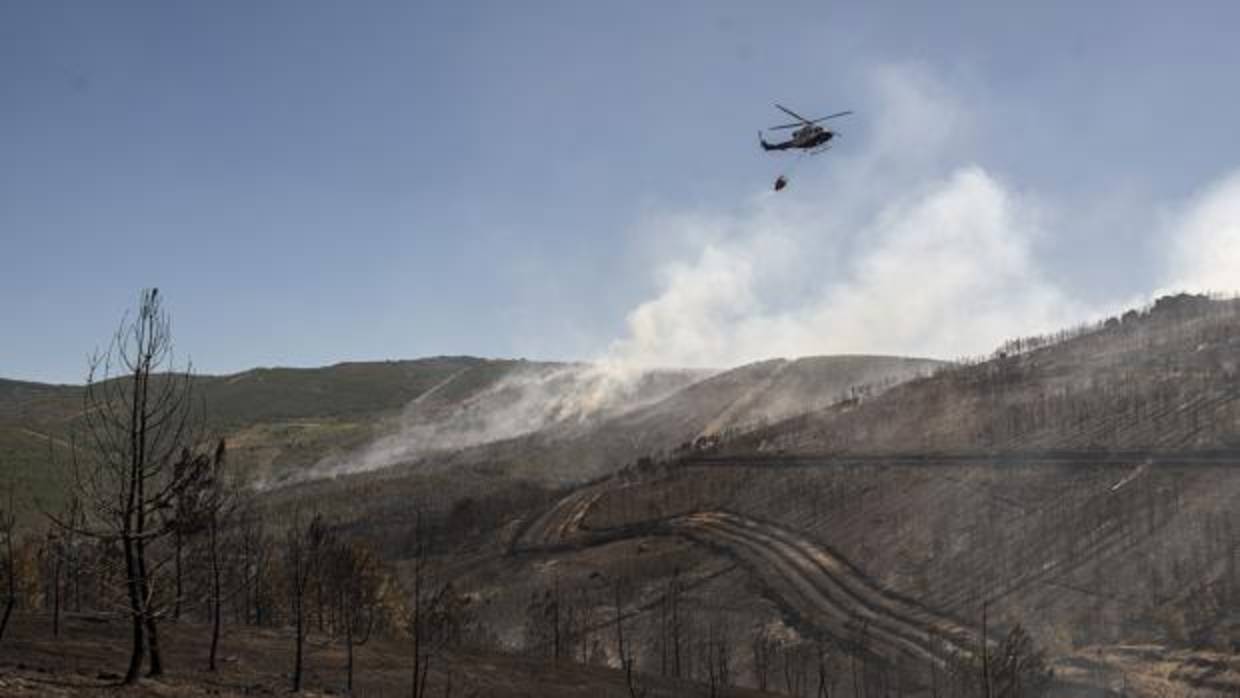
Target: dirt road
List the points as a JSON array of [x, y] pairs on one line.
[[814, 585]]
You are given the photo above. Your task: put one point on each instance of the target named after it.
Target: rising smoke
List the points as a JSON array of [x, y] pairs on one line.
[[524, 399]]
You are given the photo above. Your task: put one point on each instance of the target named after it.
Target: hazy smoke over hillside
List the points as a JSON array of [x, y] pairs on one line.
[[522, 401], [900, 243], [1205, 238]]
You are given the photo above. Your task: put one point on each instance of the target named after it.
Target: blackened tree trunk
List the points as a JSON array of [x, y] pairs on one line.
[[301, 642], [216, 596], [304, 548], [8, 521], [138, 636], [348, 641], [418, 670], [178, 544], [56, 569], [426, 606], [353, 580]]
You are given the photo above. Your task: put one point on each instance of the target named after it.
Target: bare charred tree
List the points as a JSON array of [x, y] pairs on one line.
[[188, 523], [542, 622], [428, 618], [764, 649], [555, 620], [139, 417], [673, 626], [49, 574], [717, 657], [438, 619], [8, 521], [215, 507], [254, 558], [62, 558], [794, 668], [1017, 668], [1020, 669], [305, 545], [628, 659], [51, 568], [354, 579], [71, 552], [581, 620], [986, 685], [860, 644], [421, 658], [827, 669]]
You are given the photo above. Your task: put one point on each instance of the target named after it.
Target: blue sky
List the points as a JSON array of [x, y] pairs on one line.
[[316, 182]]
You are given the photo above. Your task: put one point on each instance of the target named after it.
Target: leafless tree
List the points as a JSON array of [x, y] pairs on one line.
[[717, 656], [1017, 669], [215, 506], [304, 548], [542, 622], [253, 559], [139, 418], [50, 568], [62, 557], [421, 657], [828, 669], [189, 521], [672, 626], [1020, 669], [986, 685], [628, 659], [8, 521], [764, 649], [795, 668], [430, 614], [354, 580], [438, 618]]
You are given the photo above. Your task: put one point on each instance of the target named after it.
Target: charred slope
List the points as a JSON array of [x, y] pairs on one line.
[[1082, 548], [1164, 378]]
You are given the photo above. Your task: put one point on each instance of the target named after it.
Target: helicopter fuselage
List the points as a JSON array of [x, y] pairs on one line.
[[807, 138], [811, 137]]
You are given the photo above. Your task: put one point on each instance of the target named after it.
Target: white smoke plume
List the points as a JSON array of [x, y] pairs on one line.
[[895, 251], [945, 273], [1205, 241]]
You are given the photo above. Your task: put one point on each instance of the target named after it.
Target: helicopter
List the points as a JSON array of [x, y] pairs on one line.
[[808, 136]]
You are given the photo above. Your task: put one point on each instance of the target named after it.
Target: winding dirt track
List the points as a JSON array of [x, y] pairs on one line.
[[822, 588], [813, 584], [561, 524]]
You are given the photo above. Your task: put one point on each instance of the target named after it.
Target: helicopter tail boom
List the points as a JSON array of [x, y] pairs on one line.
[[769, 146]]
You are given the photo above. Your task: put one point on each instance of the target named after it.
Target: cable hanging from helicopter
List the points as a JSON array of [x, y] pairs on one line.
[[808, 139]]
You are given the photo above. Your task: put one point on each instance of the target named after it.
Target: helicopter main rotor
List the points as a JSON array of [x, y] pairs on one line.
[[802, 121]]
